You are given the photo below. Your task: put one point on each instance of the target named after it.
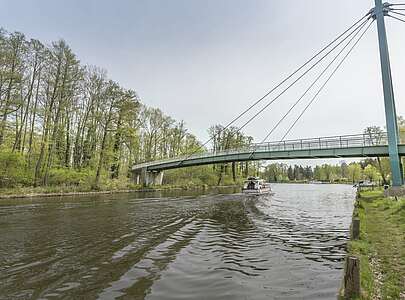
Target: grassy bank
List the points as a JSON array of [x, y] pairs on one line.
[[381, 247]]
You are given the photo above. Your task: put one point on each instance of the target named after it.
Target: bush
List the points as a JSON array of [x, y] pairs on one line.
[[122, 183], [69, 177], [195, 176], [13, 172]]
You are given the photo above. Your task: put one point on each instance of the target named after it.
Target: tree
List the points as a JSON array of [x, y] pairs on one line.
[[372, 173], [64, 118], [225, 139], [354, 172], [375, 135], [290, 173]]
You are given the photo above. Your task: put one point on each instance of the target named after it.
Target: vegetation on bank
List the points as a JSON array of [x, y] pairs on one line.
[[381, 247]]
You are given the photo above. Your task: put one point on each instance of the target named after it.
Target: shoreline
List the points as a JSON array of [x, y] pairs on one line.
[[106, 192], [381, 257], [31, 193]]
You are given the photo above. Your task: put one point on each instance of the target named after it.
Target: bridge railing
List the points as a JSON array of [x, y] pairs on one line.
[[345, 141]]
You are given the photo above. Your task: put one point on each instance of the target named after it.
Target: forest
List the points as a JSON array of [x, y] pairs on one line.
[[65, 125]]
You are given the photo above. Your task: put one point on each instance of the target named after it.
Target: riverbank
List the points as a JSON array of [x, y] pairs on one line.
[[381, 247], [33, 192]]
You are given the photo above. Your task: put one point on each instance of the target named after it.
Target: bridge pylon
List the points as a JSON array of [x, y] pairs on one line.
[[379, 12]]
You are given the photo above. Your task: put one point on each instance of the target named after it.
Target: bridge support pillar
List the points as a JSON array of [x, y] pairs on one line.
[[158, 178], [136, 177], [389, 100], [147, 178]]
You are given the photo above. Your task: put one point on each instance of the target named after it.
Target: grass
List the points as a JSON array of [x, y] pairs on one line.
[[381, 247]]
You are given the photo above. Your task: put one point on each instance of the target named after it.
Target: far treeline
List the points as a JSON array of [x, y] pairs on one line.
[[375, 170], [64, 125], [368, 169]]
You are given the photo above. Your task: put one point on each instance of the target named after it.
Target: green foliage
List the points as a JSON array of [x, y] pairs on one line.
[[342, 173], [13, 170], [73, 126], [200, 176], [372, 173], [116, 184], [354, 172], [70, 177]]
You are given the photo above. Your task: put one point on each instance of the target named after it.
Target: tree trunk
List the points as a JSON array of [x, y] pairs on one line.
[[33, 122], [246, 169], [17, 142], [8, 98], [381, 171], [103, 142], [117, 142]]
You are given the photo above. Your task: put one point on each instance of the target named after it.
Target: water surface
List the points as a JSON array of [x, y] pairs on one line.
[[177, 245]]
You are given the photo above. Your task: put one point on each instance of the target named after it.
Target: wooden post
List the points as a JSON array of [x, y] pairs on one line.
[[352, 278], [356, 210], [356, 229]]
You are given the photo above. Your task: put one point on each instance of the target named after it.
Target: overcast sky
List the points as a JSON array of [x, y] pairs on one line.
[[205, 61]]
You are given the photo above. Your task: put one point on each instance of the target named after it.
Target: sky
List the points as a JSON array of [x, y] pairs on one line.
[[206, 61]]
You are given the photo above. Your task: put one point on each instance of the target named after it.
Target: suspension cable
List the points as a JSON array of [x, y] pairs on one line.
[[330, 76], [396, 18], [397, 13], [300, 77], [287, 78], [313, 83], [310, 87]]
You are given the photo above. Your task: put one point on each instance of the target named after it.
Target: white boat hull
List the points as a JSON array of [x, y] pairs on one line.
[[257, 192]]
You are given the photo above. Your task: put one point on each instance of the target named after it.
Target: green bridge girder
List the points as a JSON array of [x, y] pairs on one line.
[[355, 152], [350, 146]]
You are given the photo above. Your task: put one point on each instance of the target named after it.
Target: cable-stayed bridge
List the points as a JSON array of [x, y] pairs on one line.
[[330, 58], [348, 146]]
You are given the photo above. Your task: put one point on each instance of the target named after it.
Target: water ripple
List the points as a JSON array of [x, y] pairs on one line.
[[177, 246]]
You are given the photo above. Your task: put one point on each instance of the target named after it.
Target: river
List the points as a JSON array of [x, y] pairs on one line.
[[217, 244]]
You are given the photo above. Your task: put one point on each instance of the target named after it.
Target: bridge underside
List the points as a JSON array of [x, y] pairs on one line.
[[351, 152]]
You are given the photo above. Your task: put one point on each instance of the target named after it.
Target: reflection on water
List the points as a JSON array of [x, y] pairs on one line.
[[177, 245]]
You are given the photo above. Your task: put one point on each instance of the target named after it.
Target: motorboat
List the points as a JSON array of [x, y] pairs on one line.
[[256, 186]]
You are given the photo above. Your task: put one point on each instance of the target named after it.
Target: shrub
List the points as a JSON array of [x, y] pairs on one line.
[[121, 183], [13, 170], [70, 177]]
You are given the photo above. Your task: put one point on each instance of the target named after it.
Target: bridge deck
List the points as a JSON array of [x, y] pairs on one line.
[[363, 145]]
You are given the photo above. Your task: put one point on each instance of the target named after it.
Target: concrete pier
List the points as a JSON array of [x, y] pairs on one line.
[[147, 178]]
